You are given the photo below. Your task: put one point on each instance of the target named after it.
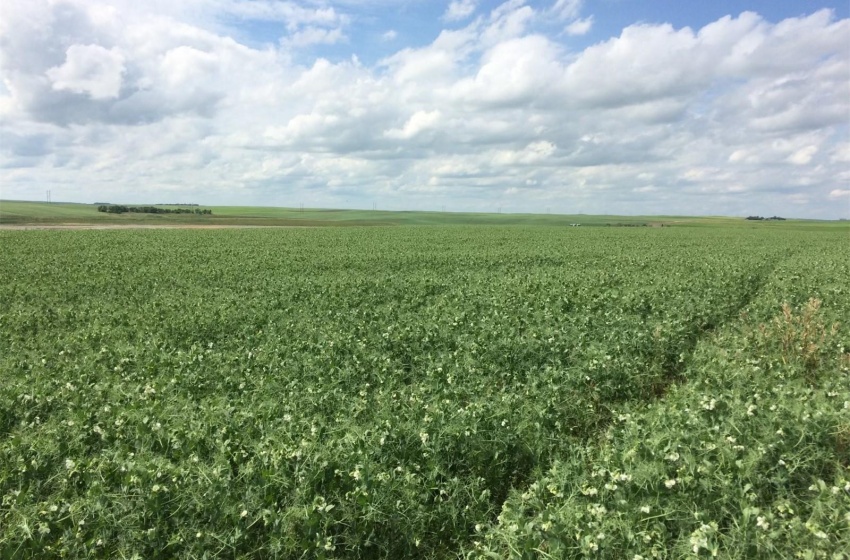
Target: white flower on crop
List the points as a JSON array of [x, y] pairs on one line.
[[751, 410], [244, 514], [779, 432], [762, 523], [198, 535], [593, 546], [598, 510], [730, 439], [645, 509], [155, 488], [54, 507], [69, 464], [674, 456], [670, 483], [623, 477], [287, 418], [611, 486], [424, 437], [781, 463], [590, 491]]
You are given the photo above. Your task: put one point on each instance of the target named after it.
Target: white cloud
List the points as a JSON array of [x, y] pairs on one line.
[[534, 153], [566, 9], [291, 13], [513, 72], [418, 122], [803, 155], [459, 10], [579, 26], [841, 153], [91, 70], [839, 193], [389, 35], [315, 36]]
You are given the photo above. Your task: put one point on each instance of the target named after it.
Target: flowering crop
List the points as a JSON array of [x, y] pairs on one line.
[[424, 392]]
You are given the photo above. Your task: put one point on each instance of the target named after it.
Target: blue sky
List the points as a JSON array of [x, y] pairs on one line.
[[595, 106]]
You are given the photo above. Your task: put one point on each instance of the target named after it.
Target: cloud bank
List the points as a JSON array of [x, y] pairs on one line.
[[143, 102]]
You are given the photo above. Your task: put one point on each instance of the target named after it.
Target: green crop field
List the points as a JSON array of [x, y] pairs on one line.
[[18, 213], [425, 392]]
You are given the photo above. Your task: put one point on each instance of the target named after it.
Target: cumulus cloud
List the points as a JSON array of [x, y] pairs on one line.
[[418, 122], [459, 10], [89, 69], [118, 99]]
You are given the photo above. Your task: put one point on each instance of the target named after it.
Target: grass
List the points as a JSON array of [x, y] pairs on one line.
[[20, 213]]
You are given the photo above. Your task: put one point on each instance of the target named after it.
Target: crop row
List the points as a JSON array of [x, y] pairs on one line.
[[353, 392]]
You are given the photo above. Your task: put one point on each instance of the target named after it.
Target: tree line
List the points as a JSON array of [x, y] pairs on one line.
[[121, 209]]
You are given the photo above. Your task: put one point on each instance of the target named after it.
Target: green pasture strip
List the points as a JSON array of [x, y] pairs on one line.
[[423, 392], [18, 212]]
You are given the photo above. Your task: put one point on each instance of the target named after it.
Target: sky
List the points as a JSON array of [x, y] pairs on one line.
[[631, 107]]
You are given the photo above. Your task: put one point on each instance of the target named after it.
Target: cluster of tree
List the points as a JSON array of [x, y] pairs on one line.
[[764, 219], [120, 209], [175, 204]]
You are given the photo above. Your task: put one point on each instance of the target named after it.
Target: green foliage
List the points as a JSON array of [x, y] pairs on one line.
[[121, 209], [422, 392]]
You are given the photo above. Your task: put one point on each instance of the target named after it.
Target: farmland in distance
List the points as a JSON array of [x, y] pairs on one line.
[[425, 392]]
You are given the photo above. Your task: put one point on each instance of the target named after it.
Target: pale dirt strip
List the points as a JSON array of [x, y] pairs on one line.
[[131, 226]]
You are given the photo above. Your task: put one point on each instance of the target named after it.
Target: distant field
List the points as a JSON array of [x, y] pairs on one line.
[[41, 213]]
